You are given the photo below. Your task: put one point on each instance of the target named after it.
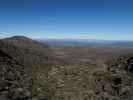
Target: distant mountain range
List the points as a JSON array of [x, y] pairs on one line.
[[80, 42]]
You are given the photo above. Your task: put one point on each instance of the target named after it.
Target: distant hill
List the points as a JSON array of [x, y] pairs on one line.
[[24, 65], [82, 42]]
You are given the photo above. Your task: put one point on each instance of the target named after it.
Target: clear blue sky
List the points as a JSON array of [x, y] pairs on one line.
[[95, 19]]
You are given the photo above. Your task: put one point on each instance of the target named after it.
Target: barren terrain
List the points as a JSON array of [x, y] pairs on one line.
[[30, 70], [86, 54]]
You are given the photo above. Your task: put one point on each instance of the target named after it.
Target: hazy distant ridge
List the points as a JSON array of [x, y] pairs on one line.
[[76, 42]]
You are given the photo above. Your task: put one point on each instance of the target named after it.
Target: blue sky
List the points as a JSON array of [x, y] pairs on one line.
[[85, 19]]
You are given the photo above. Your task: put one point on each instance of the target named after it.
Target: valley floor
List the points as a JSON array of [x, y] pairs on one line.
[[85, 75], [84, 54]]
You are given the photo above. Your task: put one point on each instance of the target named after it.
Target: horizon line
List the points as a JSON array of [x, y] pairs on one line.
[[66, 38]]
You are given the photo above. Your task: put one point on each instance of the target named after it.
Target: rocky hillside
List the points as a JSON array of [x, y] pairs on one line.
[[24, 65], [115, 81]]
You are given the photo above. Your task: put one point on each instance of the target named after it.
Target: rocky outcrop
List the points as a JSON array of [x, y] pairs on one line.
[[116, 81]]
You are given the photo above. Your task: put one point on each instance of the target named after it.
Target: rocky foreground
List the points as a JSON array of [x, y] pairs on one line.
[[24, 67], [29, 71]]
